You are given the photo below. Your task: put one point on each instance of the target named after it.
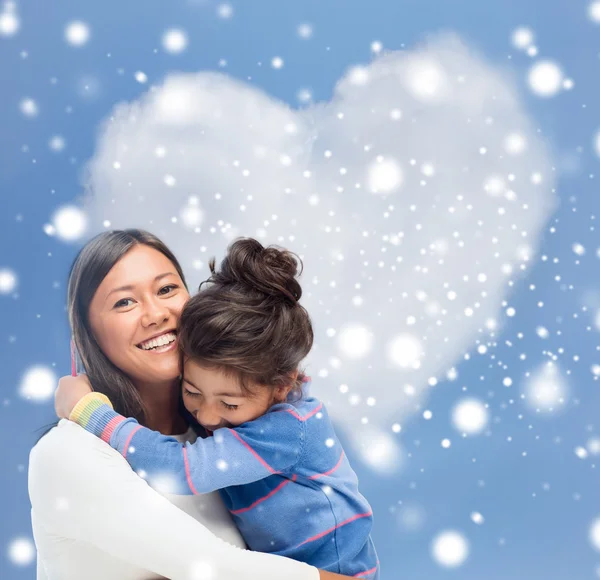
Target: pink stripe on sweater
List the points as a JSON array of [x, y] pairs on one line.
[[367, 573], [128, 442], [256, 455], [270, 494], [349, 520], [306, 417], [187, 470], [110, 427], [330, 471]]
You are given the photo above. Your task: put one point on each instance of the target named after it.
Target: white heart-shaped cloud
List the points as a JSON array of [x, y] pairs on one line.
[[412, 196]]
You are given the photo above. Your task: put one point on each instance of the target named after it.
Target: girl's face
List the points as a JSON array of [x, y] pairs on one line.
[[216, 400], [134, 315]]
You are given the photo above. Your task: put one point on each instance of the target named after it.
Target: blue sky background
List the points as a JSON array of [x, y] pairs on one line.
[[537, 496]]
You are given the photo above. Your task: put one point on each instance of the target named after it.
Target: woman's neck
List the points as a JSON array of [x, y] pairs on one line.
[[161, 402]]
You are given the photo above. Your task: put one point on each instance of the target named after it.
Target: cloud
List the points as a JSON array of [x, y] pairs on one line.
[[405, 195]]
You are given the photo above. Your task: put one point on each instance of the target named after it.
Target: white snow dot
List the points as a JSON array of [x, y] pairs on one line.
[[192, 215], [515, 143], [376, 47], [77, 33], [329, 442], [425, 79], [396, 428], [477, 518], [169, 180], [593, 445], [581, 452], [470, 416], [545, 78], [427, 414], [8, 281], [222, 465], [354, 341], [305, 30], [21, 551], [594, 11], [545, 389], [446, 443], [225, 11], [594, 534], [277, 62], [406, 351], [9, 23], [141, 77], [522, 38], [510, 311], [56, 143], [542, 332], [359, 76], [70, 223], [384, 175], [450, 549], [38, 384], [174, 41], [578, 249], [29, 107]]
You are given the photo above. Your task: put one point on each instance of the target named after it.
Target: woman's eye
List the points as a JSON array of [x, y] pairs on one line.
[[123, 302], [168, 289], [230, 407], [191, 393]]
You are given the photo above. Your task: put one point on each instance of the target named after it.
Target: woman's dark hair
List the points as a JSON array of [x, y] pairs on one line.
[[90, 267], [248, 322]]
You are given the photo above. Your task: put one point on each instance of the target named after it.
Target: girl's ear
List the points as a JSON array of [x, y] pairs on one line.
[[281, 393]]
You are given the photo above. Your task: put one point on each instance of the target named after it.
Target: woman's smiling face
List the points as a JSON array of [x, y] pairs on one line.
[[134, 315]]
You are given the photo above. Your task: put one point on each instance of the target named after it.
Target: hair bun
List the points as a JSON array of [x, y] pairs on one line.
[[270, 270]]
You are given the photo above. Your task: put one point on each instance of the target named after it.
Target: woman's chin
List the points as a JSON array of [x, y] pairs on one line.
[[160, 368]]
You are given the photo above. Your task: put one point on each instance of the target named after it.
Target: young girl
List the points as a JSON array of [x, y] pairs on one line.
[[271, 449]]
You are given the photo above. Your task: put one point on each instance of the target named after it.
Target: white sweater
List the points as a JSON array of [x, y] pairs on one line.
[[93, 518]]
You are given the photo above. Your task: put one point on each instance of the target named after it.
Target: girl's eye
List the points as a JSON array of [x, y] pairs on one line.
[[123, 302], [191, 393], [229, 407], [169, 289]]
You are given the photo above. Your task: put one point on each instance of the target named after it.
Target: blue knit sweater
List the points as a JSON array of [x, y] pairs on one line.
[[284, 478]]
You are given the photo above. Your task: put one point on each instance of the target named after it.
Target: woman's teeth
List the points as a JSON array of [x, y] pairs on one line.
[[162, 340]]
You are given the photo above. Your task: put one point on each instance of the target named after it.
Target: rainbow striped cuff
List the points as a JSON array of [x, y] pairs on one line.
[[95, 414]]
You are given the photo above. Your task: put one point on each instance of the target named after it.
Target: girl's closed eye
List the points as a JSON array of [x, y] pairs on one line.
[[190, 393], [229, 407]]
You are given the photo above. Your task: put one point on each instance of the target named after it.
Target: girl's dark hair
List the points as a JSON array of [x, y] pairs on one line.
[[90, 267], [248, 322]]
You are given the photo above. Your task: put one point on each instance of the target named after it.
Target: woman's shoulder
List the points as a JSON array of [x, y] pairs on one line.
[[67, 442]]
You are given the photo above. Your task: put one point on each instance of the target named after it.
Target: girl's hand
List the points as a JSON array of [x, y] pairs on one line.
[[70, 390]]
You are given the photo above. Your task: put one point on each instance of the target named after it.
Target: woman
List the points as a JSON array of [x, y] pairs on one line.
[[126, 292]]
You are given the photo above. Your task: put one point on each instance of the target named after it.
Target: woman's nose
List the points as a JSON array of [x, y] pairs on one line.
[[155, 312]]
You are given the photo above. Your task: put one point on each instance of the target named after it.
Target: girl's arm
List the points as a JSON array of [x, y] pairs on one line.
[[83, 490], [270, 444]]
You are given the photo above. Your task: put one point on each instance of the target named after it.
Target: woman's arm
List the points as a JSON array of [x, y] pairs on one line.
[[82, 489]]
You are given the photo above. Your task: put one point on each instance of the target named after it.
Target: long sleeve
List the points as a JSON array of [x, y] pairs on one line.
[[253, 451], [82, 489]]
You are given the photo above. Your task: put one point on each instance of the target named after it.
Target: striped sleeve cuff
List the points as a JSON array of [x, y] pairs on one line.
[[95, 414]]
